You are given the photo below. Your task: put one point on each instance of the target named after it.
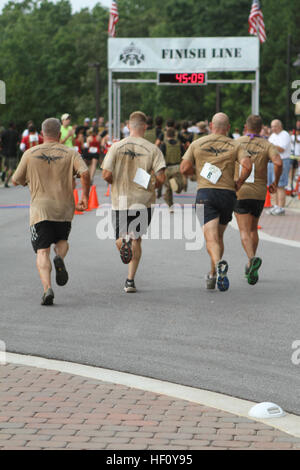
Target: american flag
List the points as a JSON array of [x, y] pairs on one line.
[[256, 21], [113, 19]]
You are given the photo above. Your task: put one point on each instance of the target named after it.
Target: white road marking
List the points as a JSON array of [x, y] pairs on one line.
[[289, 424]]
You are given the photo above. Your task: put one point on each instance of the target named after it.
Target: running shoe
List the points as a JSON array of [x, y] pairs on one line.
[[129, 286], [222, 279], [278, 211], [210, 281], [126, 251], [269, 211], [252, 270], [62, 276], [48, 297]]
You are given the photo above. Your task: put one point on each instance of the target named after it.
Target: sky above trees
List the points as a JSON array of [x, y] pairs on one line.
[[76, 4]]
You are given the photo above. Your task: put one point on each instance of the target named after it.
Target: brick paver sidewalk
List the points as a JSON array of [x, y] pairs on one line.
[[43, 409], [287, 226]]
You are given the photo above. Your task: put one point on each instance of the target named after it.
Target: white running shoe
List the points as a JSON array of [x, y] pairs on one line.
[[269, 211], [278, 211]]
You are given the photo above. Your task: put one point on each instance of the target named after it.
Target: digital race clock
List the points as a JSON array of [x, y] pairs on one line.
[[181, 78]]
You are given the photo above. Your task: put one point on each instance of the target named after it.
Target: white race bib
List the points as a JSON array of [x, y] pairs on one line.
[[33, 138], [142, 178], [93, 150], [211, 173], [251, 177]]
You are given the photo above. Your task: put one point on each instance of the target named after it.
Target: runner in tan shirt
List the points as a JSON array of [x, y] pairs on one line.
[[213, 157], [49, 170], [251, 196], [134, 167]]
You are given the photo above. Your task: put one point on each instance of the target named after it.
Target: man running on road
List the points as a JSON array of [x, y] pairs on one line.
[[49, 170], [213, 157], [134, 167], [251, 197]]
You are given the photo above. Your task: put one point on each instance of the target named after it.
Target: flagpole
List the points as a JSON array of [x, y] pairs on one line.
[[257, 73], [288, 73]]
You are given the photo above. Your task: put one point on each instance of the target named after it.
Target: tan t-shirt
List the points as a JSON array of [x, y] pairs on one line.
[[123, 159], [261, 152], [219, 151], [49, 170]]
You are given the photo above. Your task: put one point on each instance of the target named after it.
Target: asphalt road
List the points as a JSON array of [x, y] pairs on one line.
[[237, 343]]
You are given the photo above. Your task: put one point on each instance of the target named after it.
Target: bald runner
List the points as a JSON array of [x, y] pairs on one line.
[[213, 159]]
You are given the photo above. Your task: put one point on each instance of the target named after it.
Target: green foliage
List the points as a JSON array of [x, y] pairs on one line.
[[45, 50]]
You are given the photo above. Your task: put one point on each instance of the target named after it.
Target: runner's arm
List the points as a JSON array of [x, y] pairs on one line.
[[107, 176], [246, 168], [20, 175], [160, 178], [85, 182], [187, 168]]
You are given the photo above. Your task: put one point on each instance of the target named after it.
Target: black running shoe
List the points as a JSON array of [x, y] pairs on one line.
[[48, 297], [126, 251], [129, 286], [62, 276]]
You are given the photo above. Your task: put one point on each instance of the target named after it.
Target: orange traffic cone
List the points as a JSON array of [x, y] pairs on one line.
[[76, 199], [108, 191], [297, 190], [268, 199], [93, 199]]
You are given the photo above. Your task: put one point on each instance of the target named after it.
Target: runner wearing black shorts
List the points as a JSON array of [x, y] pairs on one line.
[[251, 197], [213, 158], [50, 169], [134, 167]]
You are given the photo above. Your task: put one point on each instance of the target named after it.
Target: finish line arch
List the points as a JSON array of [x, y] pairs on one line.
[[183, 56]]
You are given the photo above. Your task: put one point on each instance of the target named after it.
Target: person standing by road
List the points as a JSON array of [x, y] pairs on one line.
[[251, 196], [49, 170], [67, 137], [134, 167], [213, 158], [10, 141], [282, 141], [294, 167]]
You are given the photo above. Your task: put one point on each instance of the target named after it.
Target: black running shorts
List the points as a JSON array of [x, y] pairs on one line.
[[218, 203], [47, 232], [133, 221], [91, 156], [249, 206]]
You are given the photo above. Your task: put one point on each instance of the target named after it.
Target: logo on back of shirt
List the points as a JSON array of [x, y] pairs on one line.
[[48, 159], [215, 151], [133, 154], [132, 55], [252, 152]]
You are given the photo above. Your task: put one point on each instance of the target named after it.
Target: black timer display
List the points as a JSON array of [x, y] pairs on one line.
[[196, 78]]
